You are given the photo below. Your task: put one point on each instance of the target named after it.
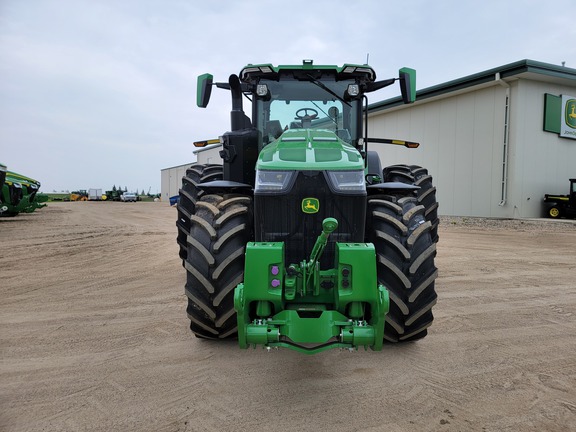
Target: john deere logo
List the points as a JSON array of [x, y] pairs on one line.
[[570, 113], [310, 205]]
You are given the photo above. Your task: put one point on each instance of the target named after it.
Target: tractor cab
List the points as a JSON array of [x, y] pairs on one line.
[[305, 97], [296, 97], [315, 97]]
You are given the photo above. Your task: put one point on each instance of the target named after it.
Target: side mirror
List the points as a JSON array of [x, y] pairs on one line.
[[408, 84], [203, 90]]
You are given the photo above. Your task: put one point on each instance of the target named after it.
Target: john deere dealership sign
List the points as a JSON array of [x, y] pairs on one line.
[[560, 115], [568, 124]]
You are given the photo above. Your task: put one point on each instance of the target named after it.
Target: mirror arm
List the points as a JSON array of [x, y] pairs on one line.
[[377, 85]]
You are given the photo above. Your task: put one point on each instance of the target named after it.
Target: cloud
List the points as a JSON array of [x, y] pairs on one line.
[[101, 91]]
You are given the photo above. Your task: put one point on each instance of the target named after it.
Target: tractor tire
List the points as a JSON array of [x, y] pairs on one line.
[[418, 176], [188, 195], [405, 255], [220, 227]]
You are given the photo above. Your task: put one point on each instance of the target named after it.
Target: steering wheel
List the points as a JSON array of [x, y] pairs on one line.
[[306, 116]]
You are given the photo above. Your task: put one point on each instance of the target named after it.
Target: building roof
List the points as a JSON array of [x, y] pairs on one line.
[[521, 69], [178, 166]]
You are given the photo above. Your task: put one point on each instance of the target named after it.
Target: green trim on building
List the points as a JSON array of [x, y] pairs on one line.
[[506, 71], [552, 112]]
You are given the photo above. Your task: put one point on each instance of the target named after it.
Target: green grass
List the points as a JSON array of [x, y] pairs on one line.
[[57, 196]]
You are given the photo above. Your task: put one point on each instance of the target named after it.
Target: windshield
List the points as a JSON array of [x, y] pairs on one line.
[[295, 104]]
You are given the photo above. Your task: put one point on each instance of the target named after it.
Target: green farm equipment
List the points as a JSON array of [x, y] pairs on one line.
[[558, 205], [18, 193], [3, 172], [113, 195], [300, 239]]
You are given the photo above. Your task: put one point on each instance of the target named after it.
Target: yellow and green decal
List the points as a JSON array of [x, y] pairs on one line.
[[310, 205], [570, 113]]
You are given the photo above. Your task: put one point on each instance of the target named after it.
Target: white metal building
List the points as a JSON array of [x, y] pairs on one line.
[[483, 139], [171, 180], [209, 154]]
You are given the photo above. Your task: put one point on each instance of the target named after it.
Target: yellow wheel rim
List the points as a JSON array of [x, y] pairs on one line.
[[554, 212]]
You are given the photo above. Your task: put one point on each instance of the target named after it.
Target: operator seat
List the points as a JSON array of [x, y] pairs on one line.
[[273, 130]]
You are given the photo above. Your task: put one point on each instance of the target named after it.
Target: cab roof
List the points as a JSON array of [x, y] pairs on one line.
[[347, 71]]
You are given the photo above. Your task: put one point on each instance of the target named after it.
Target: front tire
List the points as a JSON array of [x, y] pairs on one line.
[[405, 254], [220, 227]]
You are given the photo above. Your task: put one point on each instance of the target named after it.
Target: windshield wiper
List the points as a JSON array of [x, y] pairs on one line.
[[323, 87]]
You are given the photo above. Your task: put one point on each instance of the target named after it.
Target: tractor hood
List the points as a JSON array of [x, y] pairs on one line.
[[13, 177], [309, 149]]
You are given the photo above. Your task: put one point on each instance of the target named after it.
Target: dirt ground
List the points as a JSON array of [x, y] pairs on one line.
[[94, 337]]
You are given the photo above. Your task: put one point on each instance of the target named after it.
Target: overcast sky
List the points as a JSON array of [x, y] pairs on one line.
[[95, 93]]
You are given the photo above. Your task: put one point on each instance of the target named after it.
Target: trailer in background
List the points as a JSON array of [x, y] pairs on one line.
[[95, 194]]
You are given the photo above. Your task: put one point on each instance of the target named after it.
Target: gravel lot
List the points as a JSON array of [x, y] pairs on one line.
[[94, 337]]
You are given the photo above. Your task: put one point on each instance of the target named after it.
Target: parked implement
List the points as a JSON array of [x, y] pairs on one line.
[[112, 195], [300, 239], [19, 193], [562, 205]]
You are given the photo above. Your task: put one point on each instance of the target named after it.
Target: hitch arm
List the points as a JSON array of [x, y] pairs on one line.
[[329, 225]]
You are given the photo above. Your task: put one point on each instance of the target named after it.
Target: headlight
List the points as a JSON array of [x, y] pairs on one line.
[[347, 181], [273, 181]]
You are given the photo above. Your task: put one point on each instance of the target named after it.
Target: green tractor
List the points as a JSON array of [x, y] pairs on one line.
[[300, 239], [113, 195], [18, 193]]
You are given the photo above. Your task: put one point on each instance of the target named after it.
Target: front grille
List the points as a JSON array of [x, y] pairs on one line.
[[279, 218]]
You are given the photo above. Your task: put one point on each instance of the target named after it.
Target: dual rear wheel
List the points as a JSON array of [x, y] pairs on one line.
[[405, 254], [189, 194]]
